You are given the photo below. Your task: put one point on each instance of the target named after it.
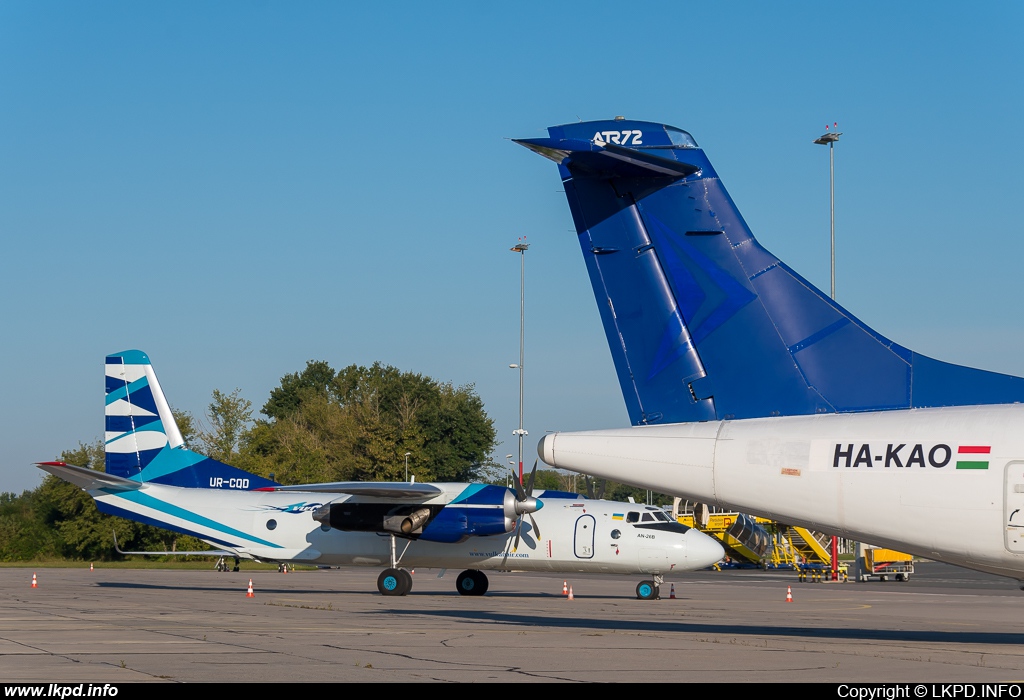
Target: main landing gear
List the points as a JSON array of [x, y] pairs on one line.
[[650, 590], [393, 580], [471, 582]]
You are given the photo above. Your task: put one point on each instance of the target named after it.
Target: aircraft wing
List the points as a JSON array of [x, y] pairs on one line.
[[376, 489], [89, 479]]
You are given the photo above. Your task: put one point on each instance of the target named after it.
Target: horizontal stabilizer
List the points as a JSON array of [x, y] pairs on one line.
[[375, 489], [604, 157], [89, 479], [199, 553]]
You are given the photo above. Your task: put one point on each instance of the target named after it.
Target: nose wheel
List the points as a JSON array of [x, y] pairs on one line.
[[471, 582], [394, 582], [650, 590]]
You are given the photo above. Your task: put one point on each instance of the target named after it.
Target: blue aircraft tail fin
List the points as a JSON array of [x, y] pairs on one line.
[[702, 321], [142, 440]]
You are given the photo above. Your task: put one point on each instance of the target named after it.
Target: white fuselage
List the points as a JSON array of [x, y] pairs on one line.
[[942, 483], [577, 535]]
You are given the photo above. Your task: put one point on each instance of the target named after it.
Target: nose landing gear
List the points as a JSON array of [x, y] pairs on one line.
[[650, 590]]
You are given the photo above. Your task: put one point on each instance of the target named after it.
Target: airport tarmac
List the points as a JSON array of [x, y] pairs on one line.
[[117, 625]]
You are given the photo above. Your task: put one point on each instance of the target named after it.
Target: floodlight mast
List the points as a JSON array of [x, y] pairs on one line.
[[521, 248], [829, 138]]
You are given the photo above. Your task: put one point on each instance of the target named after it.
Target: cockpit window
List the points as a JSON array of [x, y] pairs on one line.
[[632, 517], [657, 514], [680, 138], [648, 518]]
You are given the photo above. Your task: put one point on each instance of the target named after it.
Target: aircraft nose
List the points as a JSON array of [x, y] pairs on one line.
[[702, 550]]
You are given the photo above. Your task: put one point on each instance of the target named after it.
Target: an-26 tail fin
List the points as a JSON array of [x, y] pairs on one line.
[[142, 439], [702, 321]]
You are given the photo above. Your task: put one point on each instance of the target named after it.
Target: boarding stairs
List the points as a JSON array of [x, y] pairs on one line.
[[758, 541]]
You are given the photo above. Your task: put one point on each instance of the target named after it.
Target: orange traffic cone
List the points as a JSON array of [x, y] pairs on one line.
[[570, 593], [672, 591], [565, 588], [90, 566], [250, 594], [789, 594], [34, 584]]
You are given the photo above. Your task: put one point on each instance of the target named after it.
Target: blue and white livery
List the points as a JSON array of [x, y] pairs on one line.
[[152, 477]]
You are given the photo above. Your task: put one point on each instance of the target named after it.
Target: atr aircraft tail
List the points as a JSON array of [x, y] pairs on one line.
[[143, 442], [703, 322]]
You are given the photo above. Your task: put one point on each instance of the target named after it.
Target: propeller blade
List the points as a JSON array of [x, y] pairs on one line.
[[533, 474], [536, 530], [519, 528], [520, 494]]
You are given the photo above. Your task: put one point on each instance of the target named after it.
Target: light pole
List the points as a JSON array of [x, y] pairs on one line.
[[520, 433], [829, 138], [407, 465]]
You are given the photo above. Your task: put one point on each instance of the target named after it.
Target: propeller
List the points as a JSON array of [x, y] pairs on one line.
[[590, 487], [525, 504]]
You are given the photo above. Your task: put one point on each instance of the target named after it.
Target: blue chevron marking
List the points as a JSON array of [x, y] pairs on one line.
[[124, 424], [167, 461], [468, 492], [123, 391], [109, 509], [144, 499]]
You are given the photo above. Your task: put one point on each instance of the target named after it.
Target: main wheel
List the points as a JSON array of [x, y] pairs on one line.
[[471, 582], [407, 580], [646, 590], [393, 582]]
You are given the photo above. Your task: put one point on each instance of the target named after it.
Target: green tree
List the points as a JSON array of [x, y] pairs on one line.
[[316, 380], [358, 423], [230, 416]]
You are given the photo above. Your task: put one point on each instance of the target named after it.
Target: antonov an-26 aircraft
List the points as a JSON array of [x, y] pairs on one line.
[[750, 389], [151, 477]]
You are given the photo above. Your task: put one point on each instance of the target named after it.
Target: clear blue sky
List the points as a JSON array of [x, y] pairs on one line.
[[239, 187]]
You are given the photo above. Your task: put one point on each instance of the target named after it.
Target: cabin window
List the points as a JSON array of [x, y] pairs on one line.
[[616, 534], [632, 517], [271, 524]]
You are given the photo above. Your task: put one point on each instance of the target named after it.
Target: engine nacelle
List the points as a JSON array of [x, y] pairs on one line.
[[405, 520], [407, 524], [458, 524]]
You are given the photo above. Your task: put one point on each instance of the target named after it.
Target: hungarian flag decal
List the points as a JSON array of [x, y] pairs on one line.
[[967, 456]]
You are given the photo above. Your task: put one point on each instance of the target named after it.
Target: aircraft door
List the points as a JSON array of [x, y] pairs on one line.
[[1013, 515], [583, 543]]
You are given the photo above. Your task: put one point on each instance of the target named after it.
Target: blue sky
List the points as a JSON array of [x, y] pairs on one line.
[[239, 187]]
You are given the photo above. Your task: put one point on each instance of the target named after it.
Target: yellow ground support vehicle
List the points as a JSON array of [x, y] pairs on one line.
[[883, 563]]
